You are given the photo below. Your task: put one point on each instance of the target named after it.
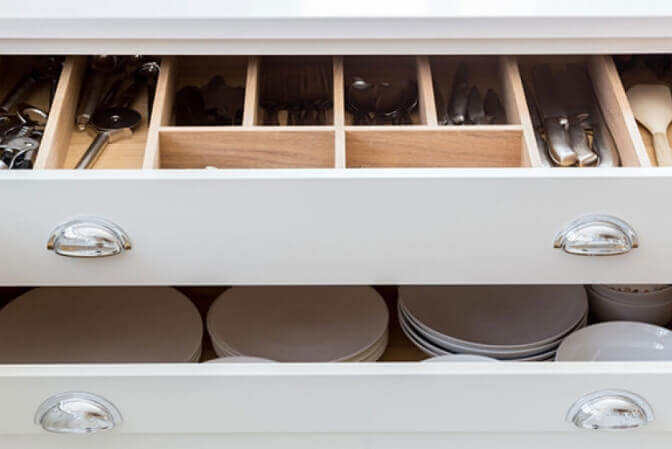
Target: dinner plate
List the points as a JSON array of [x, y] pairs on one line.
[[298, 324], [453, 346], [100, 325], [433, 350], [497, 317]]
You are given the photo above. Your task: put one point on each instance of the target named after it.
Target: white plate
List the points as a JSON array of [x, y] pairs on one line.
[[453, 346], [240, 359], [617, 341], [432, 350], [298, 324], [497, 317], [460, 358], [100, 325]]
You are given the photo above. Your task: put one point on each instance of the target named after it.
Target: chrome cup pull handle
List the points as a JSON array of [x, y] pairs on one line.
[[610, 410], [88, 237], [597, 235], [77, 412]]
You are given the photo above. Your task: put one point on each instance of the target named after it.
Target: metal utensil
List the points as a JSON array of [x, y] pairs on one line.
[[577, 92], [652, 107], [100, 65], [603, 143], [493, 108], [554, 116], [112, 124], [459, 97], [538, 127], [475, 111]]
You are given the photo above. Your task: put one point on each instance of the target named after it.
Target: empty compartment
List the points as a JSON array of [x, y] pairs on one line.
[[208, 90], [25, 81], [226, 147], [579, 112], [654, 72], [295, 91], [469, 90], [69, 140], [382, 90]]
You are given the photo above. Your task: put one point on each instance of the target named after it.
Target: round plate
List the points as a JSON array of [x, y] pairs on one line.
[[505, 353], [100, 325], [298, 324], [497, 317], [433, 350]]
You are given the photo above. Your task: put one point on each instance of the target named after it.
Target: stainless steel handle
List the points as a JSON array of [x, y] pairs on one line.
[[610, 410], [88, 237], [597, 235], [77, 412]]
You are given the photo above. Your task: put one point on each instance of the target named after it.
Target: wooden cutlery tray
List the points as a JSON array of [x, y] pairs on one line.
[[159, 144]]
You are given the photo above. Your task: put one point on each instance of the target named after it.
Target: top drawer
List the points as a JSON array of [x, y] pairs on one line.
[[332, 199]]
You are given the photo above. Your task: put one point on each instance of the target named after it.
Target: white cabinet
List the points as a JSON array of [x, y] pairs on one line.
[[334, 204]]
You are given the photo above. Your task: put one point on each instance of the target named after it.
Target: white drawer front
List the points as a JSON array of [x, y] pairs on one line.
[[333, 227], [335, 398]]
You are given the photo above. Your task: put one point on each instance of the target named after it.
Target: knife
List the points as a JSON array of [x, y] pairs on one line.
[[494, 109], [554, 116], [538, 128], [475, 111], [457, 107], [577, 92], [603, 143]]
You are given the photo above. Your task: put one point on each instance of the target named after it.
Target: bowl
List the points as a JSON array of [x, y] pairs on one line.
[[617, 341], [604, 308], [652, 297]]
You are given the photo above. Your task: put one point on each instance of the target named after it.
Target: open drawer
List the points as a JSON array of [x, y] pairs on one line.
[[336, 203], [397, 402]]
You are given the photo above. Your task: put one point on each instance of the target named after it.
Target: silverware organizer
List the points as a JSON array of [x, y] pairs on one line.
[[159, 144]]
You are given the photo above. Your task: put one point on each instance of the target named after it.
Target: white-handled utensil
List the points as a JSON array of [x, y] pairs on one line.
[[652, 106]]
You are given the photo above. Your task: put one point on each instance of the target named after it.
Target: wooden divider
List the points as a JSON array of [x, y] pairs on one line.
[[60, 126], [339, 113], [516, 108], [161, 111], [617, 112]]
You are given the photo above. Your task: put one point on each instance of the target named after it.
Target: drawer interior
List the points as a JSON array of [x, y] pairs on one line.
[[399, 348], [643, 69], [335, 140], [610, 96]]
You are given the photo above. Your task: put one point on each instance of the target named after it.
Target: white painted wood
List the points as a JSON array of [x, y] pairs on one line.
[[304, 440], [335, 398], [221, 227], [349, 26]]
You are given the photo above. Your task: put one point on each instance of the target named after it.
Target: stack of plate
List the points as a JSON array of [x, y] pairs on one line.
[[503, 322], [100, 325], [300, 324], [647, 303]]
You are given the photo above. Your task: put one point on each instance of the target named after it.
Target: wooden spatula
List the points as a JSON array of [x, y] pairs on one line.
[[652, 107]]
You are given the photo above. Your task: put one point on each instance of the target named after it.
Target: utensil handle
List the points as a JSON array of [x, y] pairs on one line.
[[19, 92], [662, 148], [91, 155], [559, 145], [577, 136], [93, 90]]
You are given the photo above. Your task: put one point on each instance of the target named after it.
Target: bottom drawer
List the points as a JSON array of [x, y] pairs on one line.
[[395, 403]]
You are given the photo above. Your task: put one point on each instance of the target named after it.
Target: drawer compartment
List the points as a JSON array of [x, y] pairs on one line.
[[396, 396]]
